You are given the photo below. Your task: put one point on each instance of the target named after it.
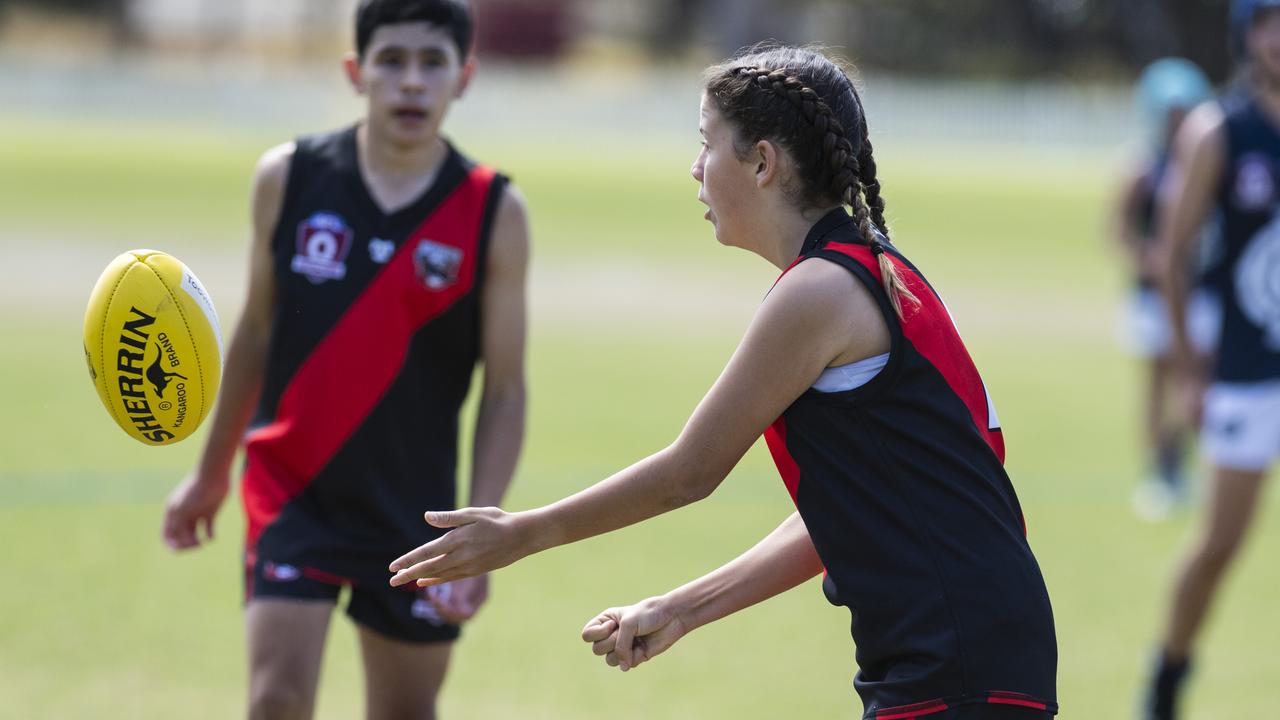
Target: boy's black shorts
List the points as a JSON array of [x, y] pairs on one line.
[[402, 613]]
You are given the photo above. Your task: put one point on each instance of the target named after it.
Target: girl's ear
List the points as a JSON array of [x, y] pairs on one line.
[[767, 158]]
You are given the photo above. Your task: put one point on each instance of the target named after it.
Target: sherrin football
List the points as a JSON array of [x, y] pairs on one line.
[[154, 349]]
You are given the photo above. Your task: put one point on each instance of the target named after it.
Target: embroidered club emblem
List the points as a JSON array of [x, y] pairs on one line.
[[1255, 186], [322, 246], [437, 264]]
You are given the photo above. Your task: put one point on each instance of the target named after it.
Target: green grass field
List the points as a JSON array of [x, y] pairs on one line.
[[631, 300]]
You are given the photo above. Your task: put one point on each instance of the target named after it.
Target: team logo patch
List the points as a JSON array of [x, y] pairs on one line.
[[323, 243], [1258, 282], [1255, 186], [437, 264], [279, 572], [380, 250]]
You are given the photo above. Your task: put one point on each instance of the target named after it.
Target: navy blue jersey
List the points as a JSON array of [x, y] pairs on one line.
[[902, 486], [374, 340], [1250, 282]]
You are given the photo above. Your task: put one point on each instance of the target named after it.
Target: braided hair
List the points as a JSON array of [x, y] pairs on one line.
[[805, 102]]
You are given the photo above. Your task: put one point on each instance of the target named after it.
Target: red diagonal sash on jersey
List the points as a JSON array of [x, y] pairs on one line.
[[351, 368], [775, 436], [932, 332]]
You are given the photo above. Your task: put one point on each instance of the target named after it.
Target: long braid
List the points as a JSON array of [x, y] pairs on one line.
[[871, 186], [867, 167], [893, 283], [894, 286], [854, 173]]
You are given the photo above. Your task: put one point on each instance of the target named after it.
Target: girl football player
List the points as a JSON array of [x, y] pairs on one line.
[[874, 413]]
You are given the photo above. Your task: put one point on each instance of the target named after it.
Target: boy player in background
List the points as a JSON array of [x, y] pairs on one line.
[[384, 266]]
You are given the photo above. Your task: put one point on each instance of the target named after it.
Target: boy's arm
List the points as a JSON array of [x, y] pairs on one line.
[[500, 420], [195, 502], [499, 431]]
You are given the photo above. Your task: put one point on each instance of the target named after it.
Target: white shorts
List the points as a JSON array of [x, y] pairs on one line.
[[1242, 425], [1146, 331]]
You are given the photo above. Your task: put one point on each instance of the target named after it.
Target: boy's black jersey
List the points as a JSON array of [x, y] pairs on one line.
[[902, 486], [1248, 198], [374, 340]]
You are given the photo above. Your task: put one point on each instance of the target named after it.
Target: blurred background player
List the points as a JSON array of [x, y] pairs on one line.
[[876, 417], [1167, 90], [1227, 160], [384, 266]]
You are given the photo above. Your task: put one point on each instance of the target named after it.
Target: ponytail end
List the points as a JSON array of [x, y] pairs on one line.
[[894, 286]]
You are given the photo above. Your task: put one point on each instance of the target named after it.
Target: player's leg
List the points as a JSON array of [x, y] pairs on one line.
[[286, 618], [1157, 383], [286, 645], [402, 679], [1241, 437], [1163, 488], [1149, 337], [1232, 501], [1149, 326], [1167, 431], [405, 647]]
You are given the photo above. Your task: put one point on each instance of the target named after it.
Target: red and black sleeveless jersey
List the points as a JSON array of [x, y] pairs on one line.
[[375, 337], [902, 486]]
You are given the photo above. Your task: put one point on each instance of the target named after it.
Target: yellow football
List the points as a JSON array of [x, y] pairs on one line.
[[154, 349]]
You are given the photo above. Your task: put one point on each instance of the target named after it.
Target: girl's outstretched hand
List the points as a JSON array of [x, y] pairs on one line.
[[481, 539]]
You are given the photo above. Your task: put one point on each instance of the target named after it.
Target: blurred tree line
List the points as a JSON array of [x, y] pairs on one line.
[[986, 38], [113, 13], [995, 38]]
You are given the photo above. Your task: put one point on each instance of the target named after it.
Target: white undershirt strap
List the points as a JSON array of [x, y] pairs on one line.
[[848, 377]]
